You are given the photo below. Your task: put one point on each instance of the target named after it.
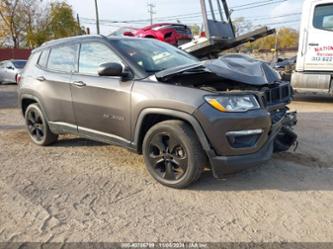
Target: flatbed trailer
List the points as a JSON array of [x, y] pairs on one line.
[[219, 32]]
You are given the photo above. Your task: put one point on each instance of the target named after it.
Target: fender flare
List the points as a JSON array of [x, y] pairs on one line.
[[177, 114], [29, 96]]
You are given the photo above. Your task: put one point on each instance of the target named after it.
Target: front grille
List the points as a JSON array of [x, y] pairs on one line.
[[279, 93]]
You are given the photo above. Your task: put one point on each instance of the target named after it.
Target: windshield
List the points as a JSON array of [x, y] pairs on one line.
[[153, 56], [19, 64]]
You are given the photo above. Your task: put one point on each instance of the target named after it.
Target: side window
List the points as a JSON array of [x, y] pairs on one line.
[[43, 58], [92, 55], [323, 17], [62, 58]]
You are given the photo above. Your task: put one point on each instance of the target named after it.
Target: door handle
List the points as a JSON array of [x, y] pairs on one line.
[[41, 78], [79, 83], [313, 44]]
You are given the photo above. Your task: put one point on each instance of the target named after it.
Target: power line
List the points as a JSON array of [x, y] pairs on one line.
[[259, 5], [277, 23], [254, 19], [252, 3], [255, 4]]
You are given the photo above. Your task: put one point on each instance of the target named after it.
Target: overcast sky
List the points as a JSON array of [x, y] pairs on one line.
[[117, 10]]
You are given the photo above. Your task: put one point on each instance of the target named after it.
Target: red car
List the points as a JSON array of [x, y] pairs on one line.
[[173, 33]]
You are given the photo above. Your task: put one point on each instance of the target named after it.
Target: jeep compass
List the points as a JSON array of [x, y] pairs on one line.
[[182, 114]]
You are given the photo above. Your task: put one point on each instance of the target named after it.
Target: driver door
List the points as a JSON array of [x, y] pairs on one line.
[[101, 103]]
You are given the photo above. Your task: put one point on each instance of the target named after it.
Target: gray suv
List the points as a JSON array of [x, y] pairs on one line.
[[182, 114]]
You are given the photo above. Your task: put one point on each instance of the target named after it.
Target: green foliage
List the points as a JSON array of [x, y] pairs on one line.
[[284, 38], [58, 23], [62, 22], [195, 29], [32, 22]]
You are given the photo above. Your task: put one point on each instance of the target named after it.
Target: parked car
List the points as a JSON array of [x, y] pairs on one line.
[[173, 33], [10, 69], [182, 114]]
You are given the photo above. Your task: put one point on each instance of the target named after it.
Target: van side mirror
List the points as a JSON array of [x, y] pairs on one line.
[[10, 67], [113, 69]]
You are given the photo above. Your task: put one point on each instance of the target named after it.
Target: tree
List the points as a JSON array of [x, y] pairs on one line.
[[62, 22], [32, 22], [58, 22], [284, 38], [195, 29], [12, 20], [287, 38], [241, 26]]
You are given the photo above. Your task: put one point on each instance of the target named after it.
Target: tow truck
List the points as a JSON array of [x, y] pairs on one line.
[[219, 32]]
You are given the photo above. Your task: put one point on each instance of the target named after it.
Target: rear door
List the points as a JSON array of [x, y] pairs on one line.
[[319, 52], [53, 79], [101, 104]]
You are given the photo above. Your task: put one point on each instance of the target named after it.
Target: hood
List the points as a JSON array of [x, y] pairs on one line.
[[236, 68]]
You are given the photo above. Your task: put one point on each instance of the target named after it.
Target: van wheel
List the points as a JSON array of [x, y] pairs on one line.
[[37, 126], [173, 155]]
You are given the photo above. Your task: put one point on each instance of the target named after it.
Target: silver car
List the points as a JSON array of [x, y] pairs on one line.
[[10, 69]]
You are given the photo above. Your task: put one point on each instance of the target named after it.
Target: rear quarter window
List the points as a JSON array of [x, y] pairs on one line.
[[43, 58]]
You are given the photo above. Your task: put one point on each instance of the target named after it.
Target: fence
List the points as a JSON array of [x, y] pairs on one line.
[[14, 53]]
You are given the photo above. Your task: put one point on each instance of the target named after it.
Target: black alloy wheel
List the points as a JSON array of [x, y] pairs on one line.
[[168, 156], [173, 154], [37, 126]]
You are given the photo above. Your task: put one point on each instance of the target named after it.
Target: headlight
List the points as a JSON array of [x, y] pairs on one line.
[[233, 103]]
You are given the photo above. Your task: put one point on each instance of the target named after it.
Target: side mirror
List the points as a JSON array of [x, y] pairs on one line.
[[113, 69], [10, 68]]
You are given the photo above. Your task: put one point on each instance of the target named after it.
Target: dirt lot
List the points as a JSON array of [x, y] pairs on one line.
[[79, 190]]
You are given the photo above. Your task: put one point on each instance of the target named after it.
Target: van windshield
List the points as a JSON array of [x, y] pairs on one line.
[[151, 55]]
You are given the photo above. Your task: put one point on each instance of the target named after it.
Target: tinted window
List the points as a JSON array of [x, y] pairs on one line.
[[43, 58], [323, 17], [19, 64], [92, 55], [62, 58]]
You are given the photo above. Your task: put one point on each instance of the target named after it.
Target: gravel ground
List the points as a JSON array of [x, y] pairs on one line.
[[78, 190]]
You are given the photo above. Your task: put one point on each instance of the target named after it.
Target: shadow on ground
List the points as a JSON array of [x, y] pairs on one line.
[[313, 98], [76, 142]]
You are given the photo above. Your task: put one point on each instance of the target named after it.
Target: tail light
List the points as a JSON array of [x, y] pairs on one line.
[[18, 78]]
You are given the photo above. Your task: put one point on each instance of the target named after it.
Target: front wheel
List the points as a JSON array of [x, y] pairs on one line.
[[37, 126], [173, 155]]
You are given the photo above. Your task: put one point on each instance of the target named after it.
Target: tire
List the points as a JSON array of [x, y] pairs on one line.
[[37, 126], [173, 154]]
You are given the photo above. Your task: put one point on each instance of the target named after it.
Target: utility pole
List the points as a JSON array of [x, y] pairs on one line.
[[277, 45], [151, 12], [78, 23], [97, 18]]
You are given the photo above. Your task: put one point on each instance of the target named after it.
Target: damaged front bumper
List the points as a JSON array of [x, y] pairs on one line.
[[280, 134]]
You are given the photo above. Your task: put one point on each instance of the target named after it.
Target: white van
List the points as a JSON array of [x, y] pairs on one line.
[[314, 67]]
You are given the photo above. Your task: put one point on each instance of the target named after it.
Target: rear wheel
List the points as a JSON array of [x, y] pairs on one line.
[[37, 126], [173, 154]]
